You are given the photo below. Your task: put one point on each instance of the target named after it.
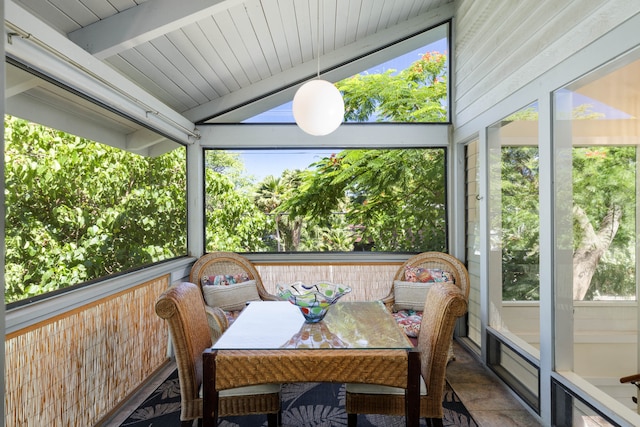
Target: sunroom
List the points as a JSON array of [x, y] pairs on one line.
[[165, 116]]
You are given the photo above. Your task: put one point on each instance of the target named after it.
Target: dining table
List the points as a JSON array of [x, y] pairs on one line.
[[270, 342]]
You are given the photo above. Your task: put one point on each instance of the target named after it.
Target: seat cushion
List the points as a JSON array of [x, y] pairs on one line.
[[232, 315], [382, 389], [248, 390]]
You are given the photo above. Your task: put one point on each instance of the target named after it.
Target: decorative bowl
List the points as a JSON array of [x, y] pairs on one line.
[[313, 300]]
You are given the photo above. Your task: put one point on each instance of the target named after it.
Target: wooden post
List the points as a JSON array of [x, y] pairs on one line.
[[209, 392], [412, 394]]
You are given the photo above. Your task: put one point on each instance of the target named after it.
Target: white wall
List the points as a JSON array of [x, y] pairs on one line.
[[502, 45]]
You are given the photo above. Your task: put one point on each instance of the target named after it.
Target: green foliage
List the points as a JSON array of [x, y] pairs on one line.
[[416, 94], [233, 221], [603, 178], [520, 223], [77, 210], [270, 195], [389, 200]]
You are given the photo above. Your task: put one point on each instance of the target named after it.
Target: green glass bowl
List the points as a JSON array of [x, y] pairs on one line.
[[313, 300]]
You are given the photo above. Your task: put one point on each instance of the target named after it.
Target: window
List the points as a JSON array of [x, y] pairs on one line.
[[514, 280], [596, 227], [78, 210], [411, 88], [304, 200]]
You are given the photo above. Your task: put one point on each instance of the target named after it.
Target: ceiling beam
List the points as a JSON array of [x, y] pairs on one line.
[[351, 135], [54, 116], [16, 83], [142, 23], [142, 139], [37, 45]]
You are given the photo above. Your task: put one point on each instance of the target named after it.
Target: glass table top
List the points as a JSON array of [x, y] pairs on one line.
[[277, 325]]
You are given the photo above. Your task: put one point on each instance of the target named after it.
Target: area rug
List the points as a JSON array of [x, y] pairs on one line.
[[303, 404]]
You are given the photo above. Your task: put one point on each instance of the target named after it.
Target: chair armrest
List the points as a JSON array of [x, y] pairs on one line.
[[217, 321], [630, 379]]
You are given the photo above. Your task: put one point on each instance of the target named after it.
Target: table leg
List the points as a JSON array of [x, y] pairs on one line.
[[209, 393], [412, 395]]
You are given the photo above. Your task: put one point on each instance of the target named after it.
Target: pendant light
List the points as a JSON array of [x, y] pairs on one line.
[[318, 107]]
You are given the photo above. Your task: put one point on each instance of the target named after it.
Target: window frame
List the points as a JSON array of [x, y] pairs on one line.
[[367, 136]]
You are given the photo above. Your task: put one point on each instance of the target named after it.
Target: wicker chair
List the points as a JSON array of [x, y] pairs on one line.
[[182, 306], [432, 260], [227, 263], [444, 304], [407, 308]]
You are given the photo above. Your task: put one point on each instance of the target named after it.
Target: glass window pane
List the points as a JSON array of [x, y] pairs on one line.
[[515, 228], [412, 87], [305, 200], [596, 127], [78, 210]]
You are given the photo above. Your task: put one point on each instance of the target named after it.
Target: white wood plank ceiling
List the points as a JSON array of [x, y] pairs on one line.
[[210, 59]]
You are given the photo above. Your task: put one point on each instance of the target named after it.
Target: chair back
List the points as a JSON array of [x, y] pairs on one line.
[[227, 263], [442, 261], [444, 305], [182, 306]]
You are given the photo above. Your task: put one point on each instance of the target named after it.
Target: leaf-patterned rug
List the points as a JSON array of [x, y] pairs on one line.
[[303, 404]]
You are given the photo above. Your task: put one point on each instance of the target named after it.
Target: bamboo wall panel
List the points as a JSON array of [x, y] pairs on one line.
[[368, 281], [74, 369]]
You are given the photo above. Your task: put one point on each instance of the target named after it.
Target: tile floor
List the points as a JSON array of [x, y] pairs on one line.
[[490, 402]]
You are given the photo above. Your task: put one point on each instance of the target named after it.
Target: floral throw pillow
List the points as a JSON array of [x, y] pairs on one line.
[[426, 275], [224, 279]]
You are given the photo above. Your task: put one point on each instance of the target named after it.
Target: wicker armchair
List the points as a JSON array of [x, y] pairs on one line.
[[405, 299], [182, 306], [444, 304], [432, 260], [231, 299]]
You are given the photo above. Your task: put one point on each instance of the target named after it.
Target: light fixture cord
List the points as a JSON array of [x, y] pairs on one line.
[[318, 38]]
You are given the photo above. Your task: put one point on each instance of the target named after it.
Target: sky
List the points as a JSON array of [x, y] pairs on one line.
[[261, 163]]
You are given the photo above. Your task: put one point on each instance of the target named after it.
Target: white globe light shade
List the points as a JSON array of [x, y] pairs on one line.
[[318, 107]]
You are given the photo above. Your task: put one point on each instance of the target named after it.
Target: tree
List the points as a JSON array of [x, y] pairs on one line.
[[604, 215], [233, 221], [604, 221], [520, 223], [269, 197], [416, 94], [78, 210], [390, 200]]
